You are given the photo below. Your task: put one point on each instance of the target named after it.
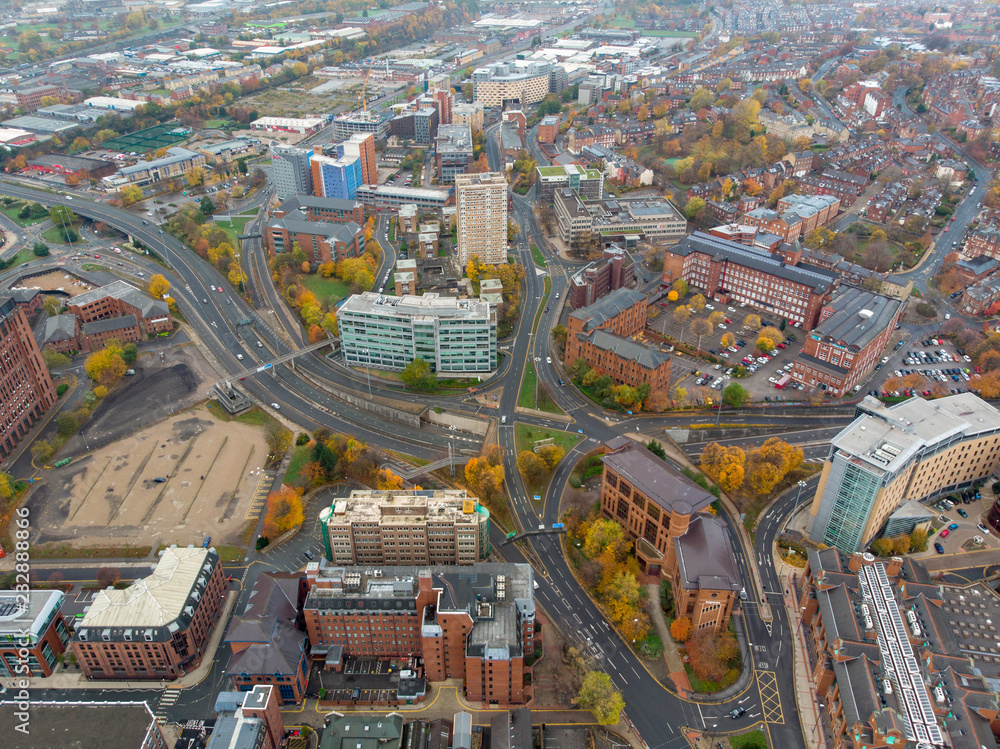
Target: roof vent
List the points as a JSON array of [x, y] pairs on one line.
[[866, 314]]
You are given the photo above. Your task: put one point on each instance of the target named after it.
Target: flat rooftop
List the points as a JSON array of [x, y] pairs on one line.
[[428, 305]]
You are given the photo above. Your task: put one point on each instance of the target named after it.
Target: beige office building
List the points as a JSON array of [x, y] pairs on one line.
[[482, 216], [891, 455], [406, 527]]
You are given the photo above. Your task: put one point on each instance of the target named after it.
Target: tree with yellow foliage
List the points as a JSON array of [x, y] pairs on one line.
[[107, 365], [724, 465], [485, 480], [158, 285], [605, 536], [672, 296], [387, 480]]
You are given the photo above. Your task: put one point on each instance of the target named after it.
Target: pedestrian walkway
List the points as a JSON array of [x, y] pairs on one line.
[[167, 700], [678, 675]]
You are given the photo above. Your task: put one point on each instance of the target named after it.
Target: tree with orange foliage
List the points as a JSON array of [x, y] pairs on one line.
[[313, 473], [681, 629], [709, 653], [387, 480], [986, 384], [284, 512], [316, 333]]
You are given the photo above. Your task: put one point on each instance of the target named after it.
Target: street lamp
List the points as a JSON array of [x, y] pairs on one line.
[[795, 508], [368, 369]]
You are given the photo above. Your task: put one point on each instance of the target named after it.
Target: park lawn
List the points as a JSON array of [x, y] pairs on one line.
[[11, 213], [56, 235], [530, 387], [525, 436], [326, 290], [219, 124], [234, 228]]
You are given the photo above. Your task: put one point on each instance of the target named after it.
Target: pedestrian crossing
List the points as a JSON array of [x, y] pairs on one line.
[[167, 700], [259, 498]]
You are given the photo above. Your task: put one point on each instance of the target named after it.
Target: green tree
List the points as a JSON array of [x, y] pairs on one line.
[[681, 287], [61, 215], [417, 375], [130, 353], [130, 194], [693, 208], [40, 250], [599, 695], [657, 449], [735, 395]]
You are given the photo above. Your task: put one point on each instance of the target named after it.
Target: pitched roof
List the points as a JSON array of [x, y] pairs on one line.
[[608, 307], [296, 223], [58, 328], [657, 479], [109, 324], [859, 317], [127, 293], [645, 356]]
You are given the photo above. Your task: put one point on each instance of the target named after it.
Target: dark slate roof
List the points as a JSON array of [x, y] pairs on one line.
[[823, 366], [281, 655], [705, 557], [296, 222], [127, 293], [860, 316], [646, 356], [314, 201], [608, 307], [655, 478], [109, 324], [58, 328], [368, 732], [724, 249]]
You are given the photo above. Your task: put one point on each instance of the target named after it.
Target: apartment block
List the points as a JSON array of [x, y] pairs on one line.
[[732, 273], [33, 633], [794, 216], [323, 242], [468, 114], [482, 217], [508, 83], [157, 628], [292, 174], [853, 331], [888, 455], [898, 658], [360, 122], [322, 209], [615, 270], [388, 332], [589, 183], [472, 623], [622, 312], [362, 146], [392, 197], [26, 388], [337, 178], [548, 129], [405, 527], [453, 151], [119, 300]]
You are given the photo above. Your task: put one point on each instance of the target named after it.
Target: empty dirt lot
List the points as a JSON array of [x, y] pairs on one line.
[[211, 468]]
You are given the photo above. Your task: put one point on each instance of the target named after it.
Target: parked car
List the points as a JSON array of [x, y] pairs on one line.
[[939, 548]]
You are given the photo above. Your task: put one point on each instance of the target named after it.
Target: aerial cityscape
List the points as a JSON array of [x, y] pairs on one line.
[[588, 374]]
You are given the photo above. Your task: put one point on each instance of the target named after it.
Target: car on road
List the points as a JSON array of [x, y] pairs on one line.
[[240, 357], [737, 712], [275, 406], [548, 359], [939, 548], [963, 513]]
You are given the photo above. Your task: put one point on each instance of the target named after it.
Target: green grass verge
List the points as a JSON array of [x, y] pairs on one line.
[[234, 230], [23, 255], [538, 257], [525, 437], [541, 307], [328, 290], [299, 458], [392, 231], [534, 394], [752, 740], [230, 553]]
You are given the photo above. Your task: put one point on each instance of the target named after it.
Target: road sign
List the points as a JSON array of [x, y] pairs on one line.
[[558, 526], [266, 366]]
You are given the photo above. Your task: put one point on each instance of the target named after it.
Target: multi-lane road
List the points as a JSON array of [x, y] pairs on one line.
[[303, 395]]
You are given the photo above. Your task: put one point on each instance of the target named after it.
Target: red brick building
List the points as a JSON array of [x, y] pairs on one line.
[[615, 269], [29, 98], [622, 312], [26, 388], [795, 215], [158, 628], [332, 210], [35, 637], [121, 300], [322, 242], [853, 331], [548, 129], [95, 335], [473, 623], [731, 273]]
